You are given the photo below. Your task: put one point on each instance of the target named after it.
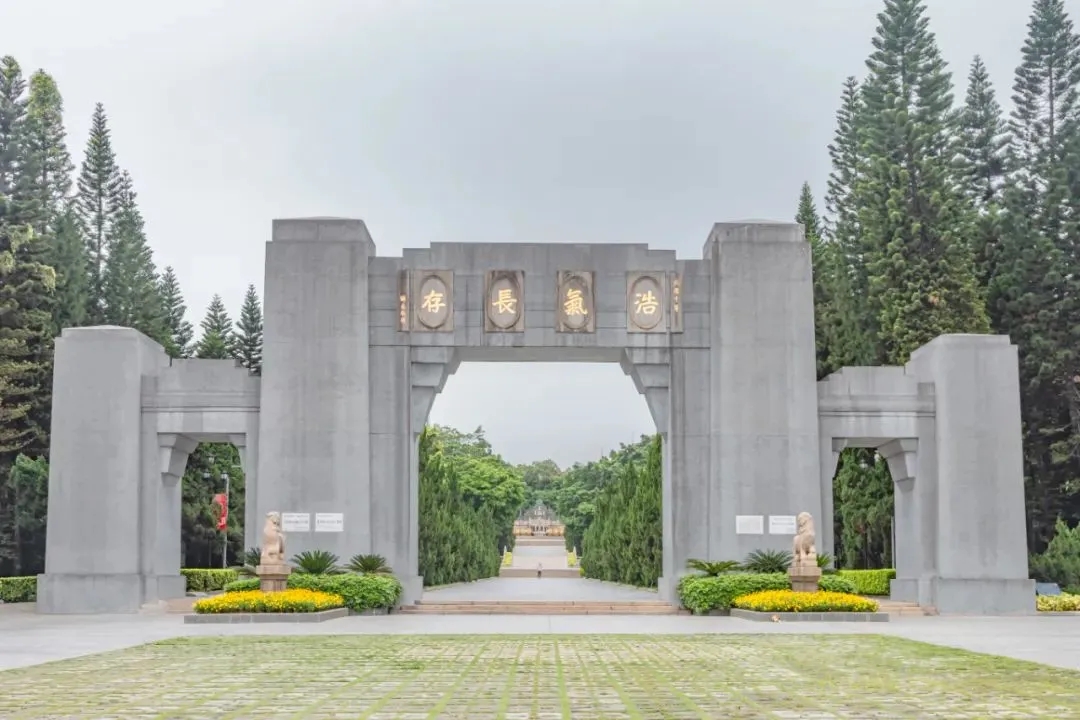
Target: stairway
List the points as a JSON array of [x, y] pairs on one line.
[[903, 609], [541, 607]]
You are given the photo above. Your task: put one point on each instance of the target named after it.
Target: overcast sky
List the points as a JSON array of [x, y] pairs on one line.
[[472, 120]]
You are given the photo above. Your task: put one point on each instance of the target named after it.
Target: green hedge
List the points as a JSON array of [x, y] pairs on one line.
[[208, 580], [18, 589], [869, 582], [361, 592], [701, 594]]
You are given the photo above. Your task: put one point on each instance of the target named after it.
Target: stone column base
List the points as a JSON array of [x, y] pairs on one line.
[[963, 596], [412, 589], [273, 578], [87, 594], [804, 579]]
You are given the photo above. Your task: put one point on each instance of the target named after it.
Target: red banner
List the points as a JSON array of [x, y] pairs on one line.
[[222, 501]]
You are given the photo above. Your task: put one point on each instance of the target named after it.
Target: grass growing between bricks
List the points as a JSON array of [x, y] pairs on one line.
[[600, 676]]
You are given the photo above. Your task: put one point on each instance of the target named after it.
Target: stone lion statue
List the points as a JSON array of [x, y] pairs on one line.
[[804, 553], [273, 545]]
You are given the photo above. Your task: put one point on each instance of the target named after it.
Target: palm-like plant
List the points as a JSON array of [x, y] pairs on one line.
[[768, 561], [713, 568], [316, 562], [369, 565], [823, 562], [252, 558]]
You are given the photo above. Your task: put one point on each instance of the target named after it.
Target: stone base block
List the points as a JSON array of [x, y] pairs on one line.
[[412, 589], [805, 579], [230, 618], [962, 596], [70, 594], [370, 611], [809, 616], [273, 578]]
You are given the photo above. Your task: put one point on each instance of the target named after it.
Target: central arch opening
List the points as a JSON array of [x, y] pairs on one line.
[[548, 466]]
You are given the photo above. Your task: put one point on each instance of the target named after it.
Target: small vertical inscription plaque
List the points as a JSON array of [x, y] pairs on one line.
[[675, 280], [645, 311], [403, 301], [575, 302], [433, 298], [504, 310]]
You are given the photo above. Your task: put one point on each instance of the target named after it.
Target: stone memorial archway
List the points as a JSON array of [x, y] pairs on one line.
[[356, 347]]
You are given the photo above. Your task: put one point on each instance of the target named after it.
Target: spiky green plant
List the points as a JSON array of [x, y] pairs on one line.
[[713, 568], [316, 562], [767, 561], [369, 565]]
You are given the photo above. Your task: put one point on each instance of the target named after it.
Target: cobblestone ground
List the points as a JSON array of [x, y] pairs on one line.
[[480, 677]]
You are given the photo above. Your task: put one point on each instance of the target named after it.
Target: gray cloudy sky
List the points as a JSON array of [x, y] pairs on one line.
[[472, 120]]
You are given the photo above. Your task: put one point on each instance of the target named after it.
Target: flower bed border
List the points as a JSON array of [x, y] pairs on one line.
[[756, 616], [247, 617]]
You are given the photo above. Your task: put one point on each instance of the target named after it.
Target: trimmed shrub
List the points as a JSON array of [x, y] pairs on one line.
[[837, 584], [207, 579], [1058, 603], [791, 601], [702, 593], [242, 585], [869, 582], [256, 601], [360, 592], [18, 589]]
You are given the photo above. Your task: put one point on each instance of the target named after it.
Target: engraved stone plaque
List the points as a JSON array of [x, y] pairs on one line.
[[403, 301], [575, 302], [675, 280], [433, 299], [645, 307], [504, 310]]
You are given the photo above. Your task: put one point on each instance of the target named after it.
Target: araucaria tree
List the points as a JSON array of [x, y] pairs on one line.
[[249, 332], [916, 223]]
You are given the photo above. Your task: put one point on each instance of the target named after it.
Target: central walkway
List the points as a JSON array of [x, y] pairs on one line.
[[546, 589]]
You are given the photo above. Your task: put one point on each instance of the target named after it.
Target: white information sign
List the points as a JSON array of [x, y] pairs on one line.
[[782, 525], [749, 524], [295, 522], [329, 522]]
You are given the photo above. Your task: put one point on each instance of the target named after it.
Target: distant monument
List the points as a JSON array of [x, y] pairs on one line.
[[804, 571], [273, 571], [540, 521]]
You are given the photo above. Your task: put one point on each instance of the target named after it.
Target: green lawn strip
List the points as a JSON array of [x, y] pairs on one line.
[[560, 677], [616, 676], [511, 679], [447, 696]]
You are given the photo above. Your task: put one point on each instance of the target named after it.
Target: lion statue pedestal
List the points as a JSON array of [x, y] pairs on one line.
[[804, 572], [273, 571]]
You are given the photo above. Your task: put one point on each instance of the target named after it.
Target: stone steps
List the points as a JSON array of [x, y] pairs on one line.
[[536, 607], [523, 572], [904, 609]]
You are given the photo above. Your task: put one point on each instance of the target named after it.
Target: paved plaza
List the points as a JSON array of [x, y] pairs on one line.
[[342, 672], [534, 590]]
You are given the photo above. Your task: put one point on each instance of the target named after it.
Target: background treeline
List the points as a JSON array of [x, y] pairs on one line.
[[74, 252], [946, 216]]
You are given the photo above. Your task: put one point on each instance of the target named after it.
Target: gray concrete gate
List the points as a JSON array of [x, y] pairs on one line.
[[356, 347]]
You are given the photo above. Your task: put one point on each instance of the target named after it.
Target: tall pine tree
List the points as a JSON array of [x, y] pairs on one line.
[[178, 344], [916, 223], [47, 166], [98, 204], [808, 217], [217, 341], [130, 282], [12, 121], [983, 143], [249, 332], [1033, 289]]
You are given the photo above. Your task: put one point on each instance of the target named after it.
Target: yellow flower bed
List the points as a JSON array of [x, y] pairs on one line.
[[256, 601], [791, 601], [571, 558], [508, 558], [1058, 603]]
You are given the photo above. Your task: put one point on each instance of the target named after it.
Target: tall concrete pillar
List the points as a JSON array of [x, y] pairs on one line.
[[314, 443], [980, 540], [763, 394], [98, 551]]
